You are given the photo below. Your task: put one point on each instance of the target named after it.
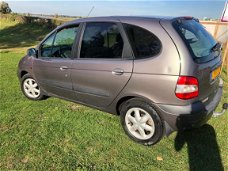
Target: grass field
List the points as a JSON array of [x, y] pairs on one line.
[[55, 134]]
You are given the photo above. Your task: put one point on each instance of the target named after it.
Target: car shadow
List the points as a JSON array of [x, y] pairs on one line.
[[202, 146]]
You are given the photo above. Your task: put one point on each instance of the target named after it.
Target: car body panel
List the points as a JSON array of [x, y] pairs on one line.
[[51, 77], [92, 81]]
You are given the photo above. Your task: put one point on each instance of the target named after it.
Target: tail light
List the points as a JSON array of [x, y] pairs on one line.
[[187, 87]]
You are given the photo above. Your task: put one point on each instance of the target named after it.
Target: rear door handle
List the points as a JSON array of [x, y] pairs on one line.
[[62, 68], [118, 71]]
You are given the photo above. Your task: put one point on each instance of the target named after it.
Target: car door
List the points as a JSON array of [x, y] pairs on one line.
[[103, 65], [52, 67]]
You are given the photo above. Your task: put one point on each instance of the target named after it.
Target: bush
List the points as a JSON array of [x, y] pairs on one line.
[[4, 8]]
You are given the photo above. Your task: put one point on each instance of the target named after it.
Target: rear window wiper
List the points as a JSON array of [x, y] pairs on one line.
[[216, 47]]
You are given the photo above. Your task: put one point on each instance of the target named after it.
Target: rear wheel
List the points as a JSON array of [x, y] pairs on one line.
[[31, 89], [141, 122]]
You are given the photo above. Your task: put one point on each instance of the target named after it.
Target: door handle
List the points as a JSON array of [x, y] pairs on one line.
[[118, 71], [62, 68]]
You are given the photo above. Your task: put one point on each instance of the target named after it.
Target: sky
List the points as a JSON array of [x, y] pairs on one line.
[[199, 9]]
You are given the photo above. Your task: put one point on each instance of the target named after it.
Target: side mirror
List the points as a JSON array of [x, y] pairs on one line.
[[32, 52]]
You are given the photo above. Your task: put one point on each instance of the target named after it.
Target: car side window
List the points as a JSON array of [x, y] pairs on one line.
[[60, 44], [101, 40], [144, 43], [46, 47]]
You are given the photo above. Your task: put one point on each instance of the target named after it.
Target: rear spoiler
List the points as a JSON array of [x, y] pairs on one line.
[[180, 19]]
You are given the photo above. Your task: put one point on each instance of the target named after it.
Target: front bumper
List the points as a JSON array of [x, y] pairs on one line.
[[190, 116]]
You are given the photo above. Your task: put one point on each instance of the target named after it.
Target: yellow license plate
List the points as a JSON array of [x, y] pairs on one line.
[[215, 73]]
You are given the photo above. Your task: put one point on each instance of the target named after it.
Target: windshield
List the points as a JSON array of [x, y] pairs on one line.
[[198, 40]]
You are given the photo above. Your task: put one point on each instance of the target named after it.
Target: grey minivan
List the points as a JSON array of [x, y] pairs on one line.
[[160, 74]]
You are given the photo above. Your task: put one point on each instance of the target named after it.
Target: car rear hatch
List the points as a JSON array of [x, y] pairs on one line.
[[206, 55]]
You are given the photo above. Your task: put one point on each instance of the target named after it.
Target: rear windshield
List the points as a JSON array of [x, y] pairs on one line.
[[197, 39]]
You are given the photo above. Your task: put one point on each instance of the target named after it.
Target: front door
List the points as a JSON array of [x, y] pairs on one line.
[[101, 70], [52, 67]]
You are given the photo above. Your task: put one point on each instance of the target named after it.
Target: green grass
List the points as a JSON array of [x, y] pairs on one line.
[[7, 23], [55, 134], [19, 36]]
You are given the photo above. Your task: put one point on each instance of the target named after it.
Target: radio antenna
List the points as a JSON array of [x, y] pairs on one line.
[[90, 11]]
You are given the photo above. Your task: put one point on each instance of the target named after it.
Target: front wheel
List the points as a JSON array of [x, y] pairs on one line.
[[141, 122], [30, 88]]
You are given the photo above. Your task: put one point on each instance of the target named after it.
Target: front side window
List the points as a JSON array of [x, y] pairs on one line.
[[46, 47], [60, 44], [144, 43], [101, 40]]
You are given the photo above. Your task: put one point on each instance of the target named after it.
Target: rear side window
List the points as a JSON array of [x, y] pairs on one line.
[[101, 40], [144, 43], [197, 39]]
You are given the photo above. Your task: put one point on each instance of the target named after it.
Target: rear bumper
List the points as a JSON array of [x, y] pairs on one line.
[[190, 116]]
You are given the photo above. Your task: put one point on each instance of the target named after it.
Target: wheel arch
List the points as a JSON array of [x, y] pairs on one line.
[[23, 72], [125, 98], [167, 128], [120, 102]]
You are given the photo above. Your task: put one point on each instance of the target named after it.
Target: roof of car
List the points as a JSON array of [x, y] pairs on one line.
[[120, 18]]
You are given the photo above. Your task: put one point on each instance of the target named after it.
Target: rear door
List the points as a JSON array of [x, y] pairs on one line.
[[103, 65], [206, 54], [52, 67]]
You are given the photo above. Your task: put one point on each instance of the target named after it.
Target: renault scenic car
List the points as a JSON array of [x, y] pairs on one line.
[[158, 74]]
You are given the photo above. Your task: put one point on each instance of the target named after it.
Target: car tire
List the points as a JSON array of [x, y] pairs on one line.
[[31, 89], [141, 122]]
